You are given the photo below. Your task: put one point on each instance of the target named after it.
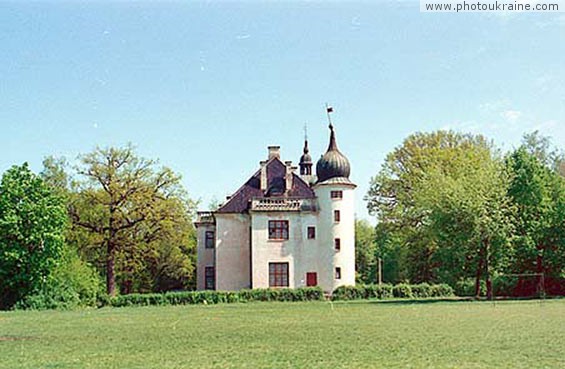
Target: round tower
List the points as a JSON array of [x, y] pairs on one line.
[[336, 200]]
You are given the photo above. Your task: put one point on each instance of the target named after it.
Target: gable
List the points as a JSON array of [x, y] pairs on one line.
[[276, 183]]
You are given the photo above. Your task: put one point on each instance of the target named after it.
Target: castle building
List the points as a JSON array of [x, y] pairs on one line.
[[282, 228]]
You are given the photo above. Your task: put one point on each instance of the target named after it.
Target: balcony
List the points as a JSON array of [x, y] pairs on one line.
[[283, 204], [205, 217]]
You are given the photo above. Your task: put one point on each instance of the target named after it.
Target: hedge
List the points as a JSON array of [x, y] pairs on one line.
[[214, 297], [370, 291], [384, 291]]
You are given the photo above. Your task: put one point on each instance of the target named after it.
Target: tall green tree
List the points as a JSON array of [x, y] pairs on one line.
[[538, 191], [393, 196], [470, 216], [365, 252], [128, 204], [32, 225]]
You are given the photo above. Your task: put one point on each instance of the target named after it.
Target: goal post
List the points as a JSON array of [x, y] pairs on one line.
[[519, 285]]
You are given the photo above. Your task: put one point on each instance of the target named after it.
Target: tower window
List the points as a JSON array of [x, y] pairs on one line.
[[337, 273], [278, 229], [337, 216], [336, 194], [209, 240], [209, 278], [278, 274], [311, 233], [337, 245]]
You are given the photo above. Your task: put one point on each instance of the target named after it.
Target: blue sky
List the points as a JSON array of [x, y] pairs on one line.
[[206, 86]]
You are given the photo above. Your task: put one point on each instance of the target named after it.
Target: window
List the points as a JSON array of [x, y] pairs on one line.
[[209, 278], [209, 240], [337, 245], [336, 194], [278, 229], [311, 233], [278, 274], [337, 273], [336, 216]]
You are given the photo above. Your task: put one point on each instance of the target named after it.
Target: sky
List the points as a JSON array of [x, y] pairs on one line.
[[205, 87]]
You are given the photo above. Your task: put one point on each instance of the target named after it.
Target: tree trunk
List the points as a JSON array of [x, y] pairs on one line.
[[110, 275], [487, 269], [540, 267], [478, 276], [110, 256]]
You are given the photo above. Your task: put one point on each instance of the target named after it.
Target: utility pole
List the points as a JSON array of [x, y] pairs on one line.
[[380, 270]]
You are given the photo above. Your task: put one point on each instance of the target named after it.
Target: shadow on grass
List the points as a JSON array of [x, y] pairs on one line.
[[422, 301], [453, 300]]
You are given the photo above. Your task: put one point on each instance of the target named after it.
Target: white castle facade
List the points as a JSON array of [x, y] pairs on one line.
[[282, 228]]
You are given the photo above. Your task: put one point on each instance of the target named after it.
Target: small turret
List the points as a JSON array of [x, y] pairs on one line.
[[306, 161]]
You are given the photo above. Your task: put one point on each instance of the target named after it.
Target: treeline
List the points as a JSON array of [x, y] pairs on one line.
[[116, 222], [451, 208]]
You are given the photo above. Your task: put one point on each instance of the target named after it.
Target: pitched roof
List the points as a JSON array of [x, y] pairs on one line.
[[276, 183]]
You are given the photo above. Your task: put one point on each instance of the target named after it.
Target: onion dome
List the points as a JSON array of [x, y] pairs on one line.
[[306, 161], [306, 158], [333, 163]]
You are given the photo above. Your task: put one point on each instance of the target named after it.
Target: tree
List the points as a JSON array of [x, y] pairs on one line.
[[365, 252], [539, 194], [470, 216], [55, 174], [125, 202], [541, 148], [442, 208], [393, 196], [32, 225]]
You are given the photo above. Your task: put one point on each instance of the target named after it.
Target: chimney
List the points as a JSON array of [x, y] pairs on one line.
[[274, 152], [289, 171], [263, 179]]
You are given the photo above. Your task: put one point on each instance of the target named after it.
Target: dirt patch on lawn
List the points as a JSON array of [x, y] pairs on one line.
[[15, 338]]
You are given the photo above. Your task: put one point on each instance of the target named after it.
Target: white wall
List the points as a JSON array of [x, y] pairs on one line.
[[205, 257], [232, 251], [344, 230], [298, 250]]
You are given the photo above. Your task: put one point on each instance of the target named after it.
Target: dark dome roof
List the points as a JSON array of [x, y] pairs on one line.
[[306, 158], [333, 163]]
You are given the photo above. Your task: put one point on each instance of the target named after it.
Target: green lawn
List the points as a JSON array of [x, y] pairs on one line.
[[525, 334]]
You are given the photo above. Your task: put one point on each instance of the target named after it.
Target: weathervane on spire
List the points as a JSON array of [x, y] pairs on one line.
[[329, 110], [305, 131]]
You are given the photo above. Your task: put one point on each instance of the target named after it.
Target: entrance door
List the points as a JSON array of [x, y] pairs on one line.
[[311, 279]]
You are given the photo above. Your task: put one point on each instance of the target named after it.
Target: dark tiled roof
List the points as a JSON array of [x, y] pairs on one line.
[[276, 184]]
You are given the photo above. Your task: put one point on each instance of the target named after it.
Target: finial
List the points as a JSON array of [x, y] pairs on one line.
[[305, 139], [329, 110]]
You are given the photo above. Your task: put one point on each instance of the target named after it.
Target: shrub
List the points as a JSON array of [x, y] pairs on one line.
[[421, 290], [216, 297], [402, 290], [466, 287], [441, 290], [72, 283], [384, 291]]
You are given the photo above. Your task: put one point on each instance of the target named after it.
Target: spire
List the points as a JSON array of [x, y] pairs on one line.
[[329, 110], [305, 159], [333, 144], [305, 150], [333, 164]]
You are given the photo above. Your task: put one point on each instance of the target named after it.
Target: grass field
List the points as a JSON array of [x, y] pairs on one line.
[[512, 334]]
